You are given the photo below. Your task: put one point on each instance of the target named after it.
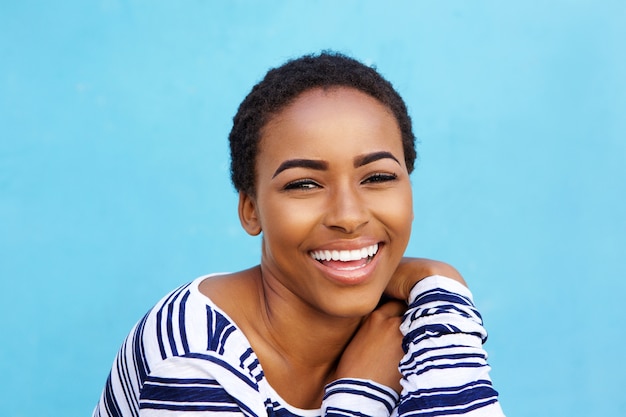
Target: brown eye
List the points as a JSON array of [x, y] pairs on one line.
[[303, 185], [379, 178]]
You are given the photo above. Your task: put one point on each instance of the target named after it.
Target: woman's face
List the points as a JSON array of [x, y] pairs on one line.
[[333, 200]]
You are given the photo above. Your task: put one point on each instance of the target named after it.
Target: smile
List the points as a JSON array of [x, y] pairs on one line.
[[345, 255]]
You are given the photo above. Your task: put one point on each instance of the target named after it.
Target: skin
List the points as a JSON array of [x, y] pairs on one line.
[[330, 175]]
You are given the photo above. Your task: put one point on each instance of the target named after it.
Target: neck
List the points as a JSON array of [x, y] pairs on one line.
[[298, 330], [300, 344]]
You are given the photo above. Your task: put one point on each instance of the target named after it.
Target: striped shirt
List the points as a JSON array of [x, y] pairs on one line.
[[187, 357]]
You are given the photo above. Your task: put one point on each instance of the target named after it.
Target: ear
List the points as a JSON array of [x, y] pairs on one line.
[[248, 215]]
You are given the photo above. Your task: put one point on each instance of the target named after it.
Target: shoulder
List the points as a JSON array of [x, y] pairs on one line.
[[187, 321], [183, 340], [236, 294], [185, 325]]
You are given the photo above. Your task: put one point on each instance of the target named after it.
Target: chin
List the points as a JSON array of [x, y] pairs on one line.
[[358, 307]]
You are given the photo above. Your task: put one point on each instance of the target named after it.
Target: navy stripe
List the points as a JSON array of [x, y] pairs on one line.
[[427, 350], [184, 391], [125, 380], [450, 389], [188, 407], [426, 331], [411, 409], [222, 328], [181, 321], [438, 295], [431, 331], [199, 407], [225, 365], [141, 367], [340, 412], [465, 365], [209, 325], [245, 356], [254, 366], [413, 364], [169, 325], [227, 332], [456, 399], [369, 385], [159, 319], [110, 401], [360, 393], [162, 380], [443, 309]]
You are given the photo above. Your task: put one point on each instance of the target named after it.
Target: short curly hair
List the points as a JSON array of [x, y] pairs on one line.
[[282, 85]]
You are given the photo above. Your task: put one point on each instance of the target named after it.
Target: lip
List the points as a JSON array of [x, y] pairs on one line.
[[349, 276], [348, 244]]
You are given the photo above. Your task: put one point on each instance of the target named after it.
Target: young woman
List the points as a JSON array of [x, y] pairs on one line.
[[334, 321]]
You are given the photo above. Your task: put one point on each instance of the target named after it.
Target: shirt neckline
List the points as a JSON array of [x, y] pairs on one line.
[[271, 392]]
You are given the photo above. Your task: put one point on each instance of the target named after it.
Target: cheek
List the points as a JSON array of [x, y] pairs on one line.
[[397, 210], [288, 223]]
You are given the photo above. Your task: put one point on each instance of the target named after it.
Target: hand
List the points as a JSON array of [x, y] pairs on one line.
[[375, 351], [412, 270]]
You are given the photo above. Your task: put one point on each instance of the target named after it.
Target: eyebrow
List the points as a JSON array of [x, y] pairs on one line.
[[317, 165], [301, 163], [361, 160]]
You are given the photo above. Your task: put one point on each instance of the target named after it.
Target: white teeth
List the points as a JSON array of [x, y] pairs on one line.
[[345, 255]]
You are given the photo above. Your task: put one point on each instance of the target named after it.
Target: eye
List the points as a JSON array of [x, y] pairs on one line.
[[379, 177], [303, 185]]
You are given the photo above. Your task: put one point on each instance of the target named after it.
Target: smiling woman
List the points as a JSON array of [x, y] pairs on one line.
[[350, 194], [335, 320]]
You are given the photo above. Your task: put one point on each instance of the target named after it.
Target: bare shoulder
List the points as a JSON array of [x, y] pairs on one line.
[[237, 294]]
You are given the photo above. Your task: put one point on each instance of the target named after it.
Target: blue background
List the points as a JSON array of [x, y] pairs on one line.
[[114, 182]]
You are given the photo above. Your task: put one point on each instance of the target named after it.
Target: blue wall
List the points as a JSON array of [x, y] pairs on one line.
[[114, 174]]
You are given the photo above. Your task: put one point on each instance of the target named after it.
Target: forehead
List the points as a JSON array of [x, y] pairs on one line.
[[342, 114], [324, 101]]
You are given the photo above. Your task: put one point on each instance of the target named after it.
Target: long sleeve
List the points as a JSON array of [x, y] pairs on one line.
[[185, 357], [204, 383], [445, 370], [200, 383], [358, 398]]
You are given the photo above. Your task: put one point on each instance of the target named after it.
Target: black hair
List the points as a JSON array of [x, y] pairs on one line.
[[282, 85]]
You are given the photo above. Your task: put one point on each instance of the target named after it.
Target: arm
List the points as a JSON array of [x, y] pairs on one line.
[[183, 386], [199, 383], [443, 365], [368, 381], [445, 370], [350, 397], [373, 354], [375, 350]]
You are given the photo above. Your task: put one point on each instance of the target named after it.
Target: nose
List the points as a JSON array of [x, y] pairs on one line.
[[346, 211]]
